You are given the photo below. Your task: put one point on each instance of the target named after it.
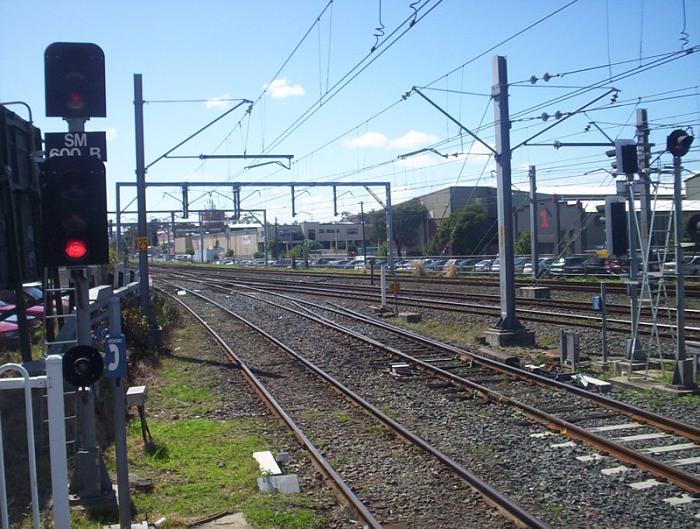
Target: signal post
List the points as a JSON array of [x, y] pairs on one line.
[[73, 185]]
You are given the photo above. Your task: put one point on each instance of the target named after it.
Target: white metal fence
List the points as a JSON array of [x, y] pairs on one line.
[[52, 382]]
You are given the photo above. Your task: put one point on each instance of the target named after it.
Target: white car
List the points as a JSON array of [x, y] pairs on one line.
[[691, 266]]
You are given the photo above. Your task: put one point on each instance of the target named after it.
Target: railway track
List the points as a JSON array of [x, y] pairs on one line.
[[580, 415], [614, 284], [311, 390], [429, 299]]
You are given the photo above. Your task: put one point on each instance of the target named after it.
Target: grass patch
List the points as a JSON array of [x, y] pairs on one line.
[[272, 511], [445, 331], [200, 466]]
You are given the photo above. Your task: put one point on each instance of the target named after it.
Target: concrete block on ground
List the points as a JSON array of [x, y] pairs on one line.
[[410, 317], [228, 521], [285, 483], [502, 338], [534, 292]]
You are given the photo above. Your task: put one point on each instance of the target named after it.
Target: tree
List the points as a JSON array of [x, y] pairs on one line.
[[408, 220], [523, 243], [465, 232]]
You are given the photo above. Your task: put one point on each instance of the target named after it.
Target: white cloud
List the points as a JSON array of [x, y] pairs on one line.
[[110, 134], [368, 139], [413, 139], [280, 88], [218, 102]]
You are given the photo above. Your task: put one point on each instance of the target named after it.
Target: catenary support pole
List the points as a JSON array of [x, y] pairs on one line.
[[533, 221], [144, 291], [171, 249], [507, 330], [118, 214], [364, 240], [643, 156], [682, 372], [389, 230]]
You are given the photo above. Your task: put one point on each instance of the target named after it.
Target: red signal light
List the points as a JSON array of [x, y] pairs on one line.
[[75, 249], [75, 101]]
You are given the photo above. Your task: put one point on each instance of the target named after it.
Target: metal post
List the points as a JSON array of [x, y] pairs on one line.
[[634, 352], [118, 243], [508, 319], [267, 250], [604, 323], [643, 155], [57, 442], [382, 283], [557, 225], [533, 222], [141, 196], [172, 228], [389, 230], [682, 372], [115, 328], [201, 237], [90, 480], [364, 240]]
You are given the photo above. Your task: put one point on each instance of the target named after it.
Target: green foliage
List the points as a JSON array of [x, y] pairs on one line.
[[229, 253], [258, 255], [189, 249], [408, 220], [522, 243], [296, 251], [465, 231]]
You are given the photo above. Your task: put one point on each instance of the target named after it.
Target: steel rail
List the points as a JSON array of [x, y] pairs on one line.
[[475, 308], [346, 494], [490, 494], [682, 479], [467, 279], [420, 301]]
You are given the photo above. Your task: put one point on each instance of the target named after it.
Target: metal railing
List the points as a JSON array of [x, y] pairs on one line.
[[52, 382]]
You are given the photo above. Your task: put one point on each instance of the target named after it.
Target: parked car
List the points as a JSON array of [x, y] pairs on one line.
[[578, 265], [691, 266], [544, 265], [518, 265], [35, 311], [483, 266], [8, 335]]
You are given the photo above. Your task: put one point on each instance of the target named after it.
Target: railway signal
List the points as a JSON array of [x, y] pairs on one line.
[[75, 211], [74, 77]]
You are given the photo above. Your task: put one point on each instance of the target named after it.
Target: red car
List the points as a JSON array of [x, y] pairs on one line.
[[8, 335], [35, 310]]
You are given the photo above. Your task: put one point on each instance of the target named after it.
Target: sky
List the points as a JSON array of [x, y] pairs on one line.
[[331, 84]]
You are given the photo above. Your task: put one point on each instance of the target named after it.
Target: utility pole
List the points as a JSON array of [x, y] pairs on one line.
[[389, 230], [118, 240], [508, 330], [141, 197], [364, 240], [533, 221], [643, 156], [172, 228]]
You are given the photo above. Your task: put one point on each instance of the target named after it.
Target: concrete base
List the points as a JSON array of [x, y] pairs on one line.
[[227, 521], [285, 483], [650, 385], [625, 366], [381, 310], [410, 317], [534, 292], [503, 338]]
